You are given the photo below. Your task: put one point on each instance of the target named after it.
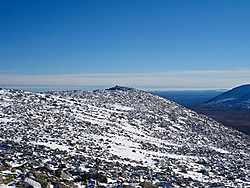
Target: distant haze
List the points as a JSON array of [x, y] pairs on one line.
[[189, 97]]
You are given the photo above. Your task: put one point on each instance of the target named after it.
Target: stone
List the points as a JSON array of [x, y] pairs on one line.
[[99, 177], [147, 185], [23, 184], [39, 175], [62, 174], [62, 165], [128, 186], [70, 183]]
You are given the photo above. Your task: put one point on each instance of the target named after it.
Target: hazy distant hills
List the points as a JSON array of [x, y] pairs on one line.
[[189, 97], [231, 108], [238, 97]]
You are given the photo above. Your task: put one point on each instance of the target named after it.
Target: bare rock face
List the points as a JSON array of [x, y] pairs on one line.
[[115, 137]]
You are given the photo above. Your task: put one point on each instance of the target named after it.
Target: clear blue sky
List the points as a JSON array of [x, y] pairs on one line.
[[127, 42]]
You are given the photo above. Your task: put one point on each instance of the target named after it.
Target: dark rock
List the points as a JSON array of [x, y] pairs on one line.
[[147, 185], [62, 166], [13, 170], [47, 168], [71, 184], [57, 183], [22, 184], [62, 174], [121, 88], [21, 176], [99, 177], [61, 186], [39, 175], [23, 167], [128, 186]]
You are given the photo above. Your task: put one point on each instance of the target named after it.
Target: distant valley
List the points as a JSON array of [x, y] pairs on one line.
[[189, 97]]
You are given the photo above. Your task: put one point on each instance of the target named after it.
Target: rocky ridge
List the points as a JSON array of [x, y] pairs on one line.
[[116, 137]]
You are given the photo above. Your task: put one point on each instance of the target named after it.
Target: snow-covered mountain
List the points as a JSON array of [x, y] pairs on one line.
[[115, 137], [236, 98]]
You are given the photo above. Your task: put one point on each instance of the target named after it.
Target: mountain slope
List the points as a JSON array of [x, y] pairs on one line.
[[231, 108], [116, 135], [236, 98]]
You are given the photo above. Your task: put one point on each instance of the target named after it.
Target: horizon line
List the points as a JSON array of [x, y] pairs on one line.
[[40, 88], [172, 80]]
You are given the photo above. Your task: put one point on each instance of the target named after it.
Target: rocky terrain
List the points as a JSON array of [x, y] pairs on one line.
[[119, 137]]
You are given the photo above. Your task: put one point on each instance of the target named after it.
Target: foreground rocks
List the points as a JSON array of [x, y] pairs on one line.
[[115, 138]]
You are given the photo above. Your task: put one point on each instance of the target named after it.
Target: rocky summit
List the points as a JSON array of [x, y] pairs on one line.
[[120, 137]]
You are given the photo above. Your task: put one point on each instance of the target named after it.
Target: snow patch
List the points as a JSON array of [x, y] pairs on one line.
[[33, 183]]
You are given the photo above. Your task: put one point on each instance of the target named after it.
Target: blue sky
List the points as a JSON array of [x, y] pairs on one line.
[[171, 44]]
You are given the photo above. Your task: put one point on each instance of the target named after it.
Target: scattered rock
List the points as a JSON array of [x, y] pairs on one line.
[[62, 165], [62, 174], [5, 179], [39, 175], [99, 177], [147, 185], [23, 184]]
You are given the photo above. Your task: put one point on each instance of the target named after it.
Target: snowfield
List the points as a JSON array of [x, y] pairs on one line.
[[114, 137]]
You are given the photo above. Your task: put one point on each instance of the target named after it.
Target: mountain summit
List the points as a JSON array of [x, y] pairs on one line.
[[122, 88], [113, 138]]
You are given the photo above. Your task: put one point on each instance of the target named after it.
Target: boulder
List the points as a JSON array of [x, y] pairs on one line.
[[61, 165], [71, 184], [23, 184], [62, 174], [128, 186], [147, 185], [39, 175], [99, 177]]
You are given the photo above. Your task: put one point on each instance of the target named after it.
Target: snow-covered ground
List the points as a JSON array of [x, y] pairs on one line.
[[123, 134]]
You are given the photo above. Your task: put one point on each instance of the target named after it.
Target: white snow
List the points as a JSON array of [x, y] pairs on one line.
[[5, 120], [33, 183], [52, 145], [219, 150]]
